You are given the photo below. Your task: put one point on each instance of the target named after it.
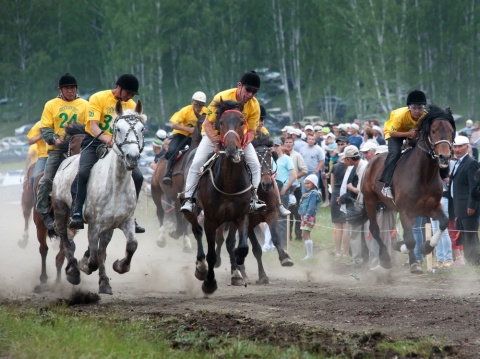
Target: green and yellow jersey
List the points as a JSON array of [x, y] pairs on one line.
[[186, 117], [58, 113], [102, 109]]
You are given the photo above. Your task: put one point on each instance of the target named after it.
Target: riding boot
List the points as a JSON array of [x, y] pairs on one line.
[[76, 221], [167, 179], [138, 229], [48, 220], [256, 205]]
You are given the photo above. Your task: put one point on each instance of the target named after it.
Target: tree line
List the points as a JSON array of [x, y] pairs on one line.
[[368, 53]]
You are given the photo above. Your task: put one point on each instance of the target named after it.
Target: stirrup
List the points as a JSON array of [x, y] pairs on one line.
[[187, 206], [387, 192], [257, 205]]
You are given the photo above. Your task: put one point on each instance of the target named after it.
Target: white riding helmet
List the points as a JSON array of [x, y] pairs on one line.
[[199, 96]]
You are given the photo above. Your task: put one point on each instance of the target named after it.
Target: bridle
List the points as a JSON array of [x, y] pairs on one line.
[[131, 120], [430, 150], [262, 155], [243, 140]]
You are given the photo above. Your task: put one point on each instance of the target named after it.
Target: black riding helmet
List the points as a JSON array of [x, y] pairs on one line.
[[67, 80], [263, 112], [128, 83]]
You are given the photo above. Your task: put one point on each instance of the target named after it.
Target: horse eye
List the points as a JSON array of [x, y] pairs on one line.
[[221, 123]]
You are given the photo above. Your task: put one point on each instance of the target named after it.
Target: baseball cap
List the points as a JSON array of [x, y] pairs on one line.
[[367, 146], [317, 128], [461, 140], [157, 143], [351, 151], [342, 139], [277, 142], [377, 128], [326, 130], [308, 127], [161, 134], [381, 149]]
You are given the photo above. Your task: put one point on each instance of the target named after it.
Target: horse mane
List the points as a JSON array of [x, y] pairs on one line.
[[129, 112], [434, 112], [71, 130], [222, 106], [262, 141]]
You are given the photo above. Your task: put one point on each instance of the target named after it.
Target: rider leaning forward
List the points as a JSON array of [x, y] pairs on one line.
[[67, 107], [183, 124], [98, 127], [401, 125], [245, 91]]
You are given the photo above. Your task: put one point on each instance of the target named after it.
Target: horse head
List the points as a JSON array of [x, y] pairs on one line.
[[128, 129], [263, 148], [436, 134], [231, 125]]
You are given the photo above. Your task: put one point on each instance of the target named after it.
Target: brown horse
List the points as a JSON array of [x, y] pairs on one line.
[[224, 193], [270, 216], [416, 184], [159, 189], [71, 145]]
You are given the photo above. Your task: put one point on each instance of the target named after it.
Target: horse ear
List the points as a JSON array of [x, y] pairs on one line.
[[222, 103], [119, 108], [139, 107]]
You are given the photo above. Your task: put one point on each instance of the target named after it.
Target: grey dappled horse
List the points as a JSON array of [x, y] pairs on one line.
[[110, 202]]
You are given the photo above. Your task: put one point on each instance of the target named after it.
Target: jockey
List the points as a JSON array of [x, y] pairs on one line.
[[401, 125], [65, 108], [39, 147], [245, 91], [98, 127], [183, 124]]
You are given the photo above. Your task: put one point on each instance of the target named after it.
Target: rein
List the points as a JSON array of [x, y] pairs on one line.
[[261, 158]]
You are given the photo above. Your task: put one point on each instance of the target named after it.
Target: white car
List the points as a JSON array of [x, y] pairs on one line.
[[23, 130], [8, 142]]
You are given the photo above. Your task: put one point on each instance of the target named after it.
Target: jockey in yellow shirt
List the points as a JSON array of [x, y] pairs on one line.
[[245, 91], [402, 124], [67, 107], [38, 145], [183, 124], [100, 116]]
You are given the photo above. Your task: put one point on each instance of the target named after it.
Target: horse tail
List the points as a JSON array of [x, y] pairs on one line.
[[357, 215]]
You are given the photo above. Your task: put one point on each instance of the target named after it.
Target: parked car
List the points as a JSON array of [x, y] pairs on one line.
[[23, 130], [8, 142], [14, 154]]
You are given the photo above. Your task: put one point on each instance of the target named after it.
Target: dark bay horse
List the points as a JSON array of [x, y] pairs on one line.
[[74, 133], [224, 193], [270, 216], [159, 190], [416, 184]]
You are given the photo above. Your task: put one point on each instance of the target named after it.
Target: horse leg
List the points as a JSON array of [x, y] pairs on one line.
[[27, 212], [284, 257], [66, 246], [257, 252], [210, 284], [235, 269], [219, 239], [182, 227], [123, 265], [200, 264], [103, 281], [409, 244], [442, 218], [161, 241], [42, 239]]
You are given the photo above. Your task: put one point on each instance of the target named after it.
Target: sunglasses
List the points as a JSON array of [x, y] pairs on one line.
[[250, 90]]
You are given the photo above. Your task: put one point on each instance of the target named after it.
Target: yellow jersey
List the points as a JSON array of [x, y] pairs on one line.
[[251, 110], [102, 109], [400, 121], [40, 147], [58, 112], [186, 117]]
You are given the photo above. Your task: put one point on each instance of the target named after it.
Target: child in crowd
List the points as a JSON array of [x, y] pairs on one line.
[[308, 210]]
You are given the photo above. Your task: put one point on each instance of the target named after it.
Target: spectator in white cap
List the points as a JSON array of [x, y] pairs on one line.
[[308, 211], [349, 194], [161, 134], [355, 139], [378, 135], [308, 129], [296, 134], [468, 129], [368, 149]]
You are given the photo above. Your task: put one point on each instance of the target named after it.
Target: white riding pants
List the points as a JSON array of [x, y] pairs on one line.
[[204, 149]]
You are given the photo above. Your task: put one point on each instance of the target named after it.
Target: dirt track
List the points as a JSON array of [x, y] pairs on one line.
[[297, 300]]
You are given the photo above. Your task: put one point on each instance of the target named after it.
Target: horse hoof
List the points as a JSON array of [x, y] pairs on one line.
[[426, 248], [73, 279], [174, 235], [106, 289], [41, 288], [120, 268], [200, 275], [415, 268], [162, 243], [386, 264], [218, 263], [238, 282], [187, 250], [264, 279], [286, 262], [209, 289], [22, 243]]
